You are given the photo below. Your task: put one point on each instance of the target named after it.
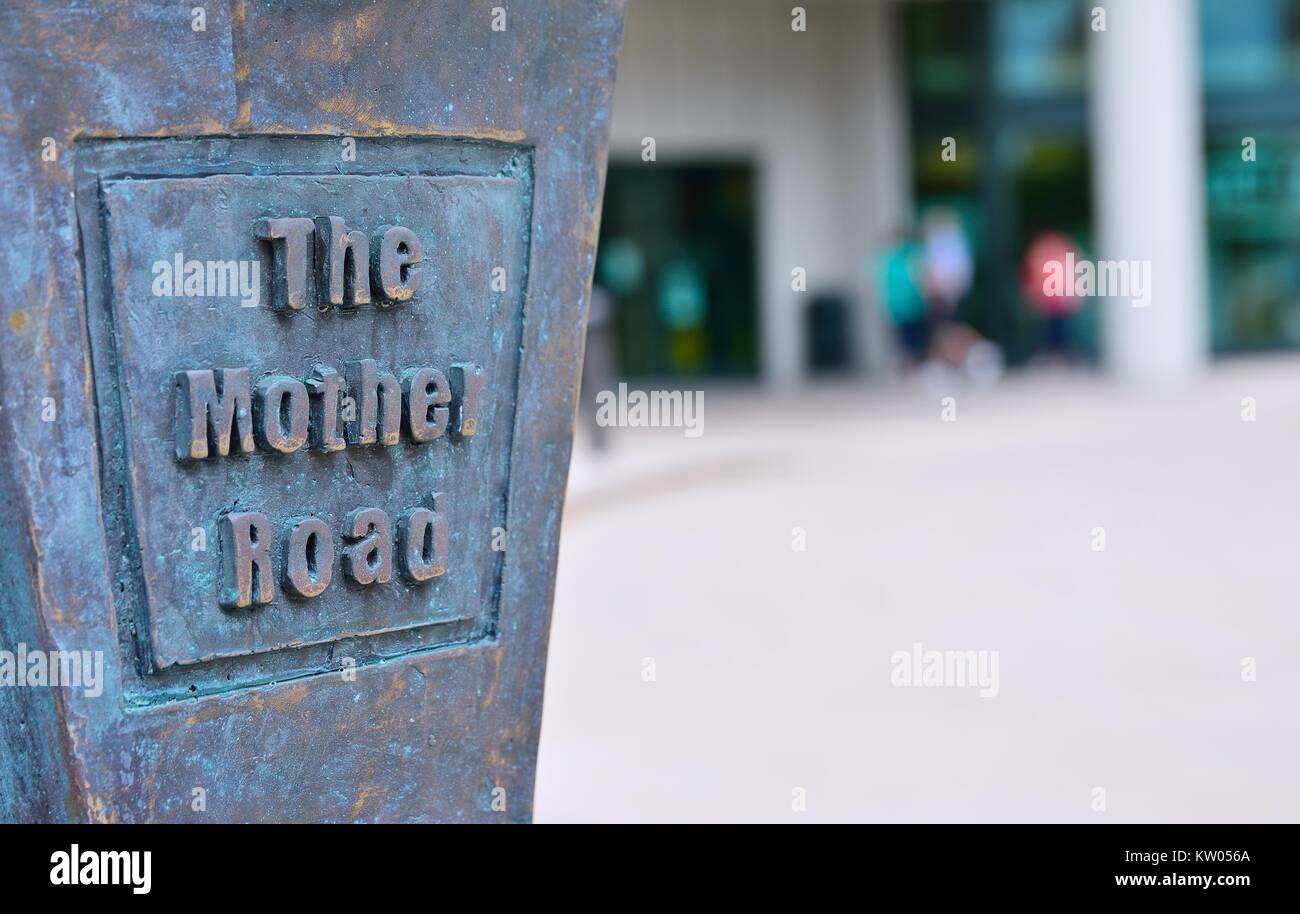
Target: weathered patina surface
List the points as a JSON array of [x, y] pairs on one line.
[[362, 634]]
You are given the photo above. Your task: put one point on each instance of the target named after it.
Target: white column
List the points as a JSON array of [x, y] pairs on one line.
[[874, 159], [1149, 184]]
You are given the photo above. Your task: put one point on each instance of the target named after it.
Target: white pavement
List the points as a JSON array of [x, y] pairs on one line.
[[1118, 669]]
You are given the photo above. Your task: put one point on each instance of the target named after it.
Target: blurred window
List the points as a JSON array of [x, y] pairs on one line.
[[1250, 44], [942, 43], [1251, 72], [1254, 221], [1040, 47]]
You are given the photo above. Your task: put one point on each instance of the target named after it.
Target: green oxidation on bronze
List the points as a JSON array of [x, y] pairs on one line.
[[306, 289]]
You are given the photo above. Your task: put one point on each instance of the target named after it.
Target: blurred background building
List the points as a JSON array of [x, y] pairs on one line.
[[776, 150], [727, 604]]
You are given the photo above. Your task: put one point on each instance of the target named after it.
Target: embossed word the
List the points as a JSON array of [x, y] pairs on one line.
[[344, 266]]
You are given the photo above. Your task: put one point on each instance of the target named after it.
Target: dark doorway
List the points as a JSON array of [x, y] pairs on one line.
[[677, 255]]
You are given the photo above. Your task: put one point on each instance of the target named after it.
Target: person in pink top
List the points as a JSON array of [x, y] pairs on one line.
[[1057, 302]]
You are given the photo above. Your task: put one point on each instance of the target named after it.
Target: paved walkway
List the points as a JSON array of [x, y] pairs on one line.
[[1118, 669]]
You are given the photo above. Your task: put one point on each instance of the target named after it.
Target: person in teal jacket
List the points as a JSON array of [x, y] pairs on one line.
[[898, 275]]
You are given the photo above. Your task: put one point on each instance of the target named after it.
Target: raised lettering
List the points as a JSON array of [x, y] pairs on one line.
[[379, 400], [281, 412], [245, 538], [422, 541], [393, 253], [424, 393], [466, 382], [342, 262], [326, 387], [289, 239], [308, 557], [207, 405], [368, 557]]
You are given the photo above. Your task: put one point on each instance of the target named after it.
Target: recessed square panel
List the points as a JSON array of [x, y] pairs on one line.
[[192, 288]]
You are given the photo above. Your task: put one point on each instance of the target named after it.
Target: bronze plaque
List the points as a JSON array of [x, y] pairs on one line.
[[195, 304]]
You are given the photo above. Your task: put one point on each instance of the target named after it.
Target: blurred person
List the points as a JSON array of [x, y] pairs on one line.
[[948, 266], [948, 272], [1050, 250], [898, 277]]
